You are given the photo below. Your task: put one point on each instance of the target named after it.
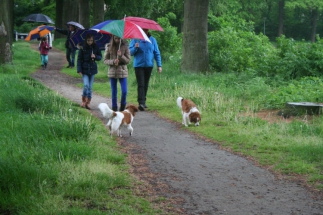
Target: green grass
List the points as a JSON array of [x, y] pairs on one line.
[[55, 158], [57, 161], [224, 100]]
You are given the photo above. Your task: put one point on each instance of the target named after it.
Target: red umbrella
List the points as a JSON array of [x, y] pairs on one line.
[[145, 23]]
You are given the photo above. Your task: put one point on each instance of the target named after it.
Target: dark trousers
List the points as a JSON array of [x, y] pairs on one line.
[[70, 56], [142, 75]]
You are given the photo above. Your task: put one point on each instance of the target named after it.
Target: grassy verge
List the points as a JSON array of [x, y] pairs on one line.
[[55, 158], [229, 103]]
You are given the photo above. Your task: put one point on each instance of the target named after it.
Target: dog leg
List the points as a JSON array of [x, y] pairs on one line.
[[109, 125], [184, 120], [119, 132], [130, 129]]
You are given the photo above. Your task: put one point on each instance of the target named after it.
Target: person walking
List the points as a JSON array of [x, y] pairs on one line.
[[117, 56], [87, 67], [144, 55], [44, 48], [70, 50]]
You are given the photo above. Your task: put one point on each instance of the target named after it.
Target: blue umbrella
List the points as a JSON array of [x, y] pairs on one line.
[[100, 38], [101, 24]]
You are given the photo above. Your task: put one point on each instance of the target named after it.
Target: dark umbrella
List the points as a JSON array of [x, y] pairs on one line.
[[42, 18], [100, 38], [76, 24]]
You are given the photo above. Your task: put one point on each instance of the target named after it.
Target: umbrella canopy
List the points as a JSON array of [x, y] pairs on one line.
[[76, 24], [38, 17], [100, 38], [145, 23], [124, 29], [38, 32]]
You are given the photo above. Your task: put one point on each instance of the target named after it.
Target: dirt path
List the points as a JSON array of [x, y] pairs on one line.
[[195, 175]]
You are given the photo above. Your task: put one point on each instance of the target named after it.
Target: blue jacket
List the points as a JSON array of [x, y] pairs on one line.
[[85, 64], [146, 53]]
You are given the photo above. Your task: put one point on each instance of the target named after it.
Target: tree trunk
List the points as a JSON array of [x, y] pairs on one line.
[[98, 12], [71, 11], [84, 13], [281, 18], [59, 17], [6, 30], [195, 56], [314, 24]]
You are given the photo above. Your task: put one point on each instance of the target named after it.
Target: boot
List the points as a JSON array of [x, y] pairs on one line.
[[88, 100], [122, 107], [45, 65], [115, 108], [83, 101]]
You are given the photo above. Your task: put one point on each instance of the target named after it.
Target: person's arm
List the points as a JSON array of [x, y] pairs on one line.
[[79, 61], [98, 54], [125, 57], [62, 31], [157, 56], [50, 40], [133, 47]]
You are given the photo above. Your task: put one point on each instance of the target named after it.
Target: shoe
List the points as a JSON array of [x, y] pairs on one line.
[[68, 66], [141, 107], [145, 106], [71, 67]]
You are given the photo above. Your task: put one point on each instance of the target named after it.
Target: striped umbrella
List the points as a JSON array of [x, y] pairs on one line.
[[38, 32], [123, 29]]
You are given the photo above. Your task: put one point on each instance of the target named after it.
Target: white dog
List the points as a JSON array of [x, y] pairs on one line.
[[190, 113], [118, 119]]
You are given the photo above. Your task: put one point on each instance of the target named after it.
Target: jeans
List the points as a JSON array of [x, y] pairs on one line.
[[70, 56], [114, 90], [142, 75], [87, 85], [44, 59]]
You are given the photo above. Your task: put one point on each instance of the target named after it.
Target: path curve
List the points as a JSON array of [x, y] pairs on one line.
[[195, 175]]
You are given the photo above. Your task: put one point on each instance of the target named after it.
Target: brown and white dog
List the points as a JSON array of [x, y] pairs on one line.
[[190, 113], [118, 119]]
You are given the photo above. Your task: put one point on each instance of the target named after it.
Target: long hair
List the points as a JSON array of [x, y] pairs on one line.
[[114, 46]]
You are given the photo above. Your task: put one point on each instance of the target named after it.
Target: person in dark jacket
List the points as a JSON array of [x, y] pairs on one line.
[[87, 67], [70, 50]]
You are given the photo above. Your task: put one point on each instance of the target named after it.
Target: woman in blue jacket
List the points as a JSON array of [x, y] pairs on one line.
[[87, 67], [144, 54]]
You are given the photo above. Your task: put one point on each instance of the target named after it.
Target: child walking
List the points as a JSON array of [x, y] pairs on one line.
[[44, 48]]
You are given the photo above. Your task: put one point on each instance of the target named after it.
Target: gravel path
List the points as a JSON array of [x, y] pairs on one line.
[[195, 175]]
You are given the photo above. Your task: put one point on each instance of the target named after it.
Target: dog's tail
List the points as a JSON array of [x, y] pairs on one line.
[[179, 102]]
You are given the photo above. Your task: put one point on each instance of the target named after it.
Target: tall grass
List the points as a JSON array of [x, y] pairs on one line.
[[229, 103], [55, 158], [57, 161]]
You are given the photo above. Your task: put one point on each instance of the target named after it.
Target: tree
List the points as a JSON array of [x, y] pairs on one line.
[[59, 16], [281, 17], [6, 30], [84, 13], [195, 57], [98, 11], [310, 5]]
